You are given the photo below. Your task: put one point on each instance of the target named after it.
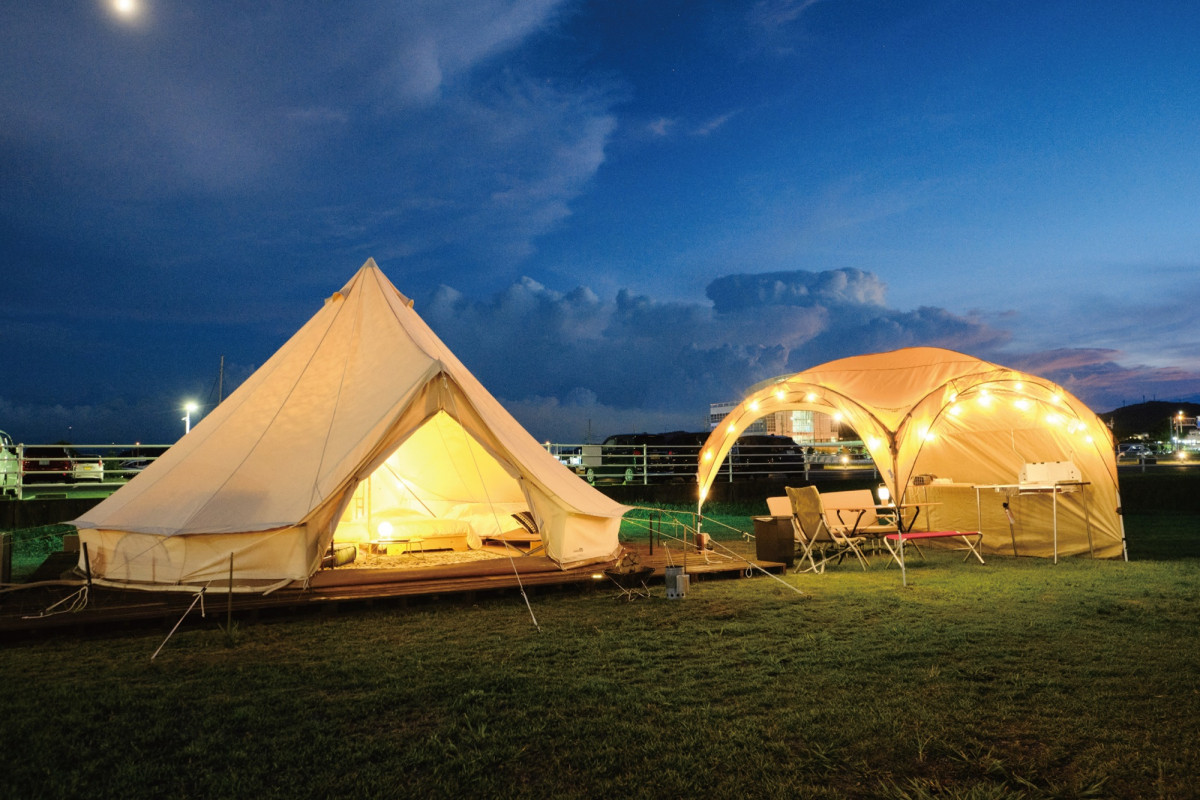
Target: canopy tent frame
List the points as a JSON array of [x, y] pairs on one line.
[[900, 403]]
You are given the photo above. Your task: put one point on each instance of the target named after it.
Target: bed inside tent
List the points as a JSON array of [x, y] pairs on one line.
[[441, 490]]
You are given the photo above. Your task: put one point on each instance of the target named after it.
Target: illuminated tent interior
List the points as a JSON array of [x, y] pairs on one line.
[[959, 433], [362, 429], [469, 500]]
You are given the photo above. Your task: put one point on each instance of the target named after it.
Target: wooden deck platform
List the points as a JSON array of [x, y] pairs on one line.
[[23, 612]]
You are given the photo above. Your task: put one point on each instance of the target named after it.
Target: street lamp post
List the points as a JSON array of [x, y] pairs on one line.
[[187, 417]]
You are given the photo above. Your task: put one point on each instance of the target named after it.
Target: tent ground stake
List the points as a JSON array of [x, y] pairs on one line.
[[229, 598], [87, 565]]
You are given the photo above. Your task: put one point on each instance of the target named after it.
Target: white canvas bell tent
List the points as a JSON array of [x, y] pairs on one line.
[[363, 425], [965, 436]]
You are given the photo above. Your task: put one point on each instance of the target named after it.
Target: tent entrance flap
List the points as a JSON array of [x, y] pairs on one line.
[[440, 489]]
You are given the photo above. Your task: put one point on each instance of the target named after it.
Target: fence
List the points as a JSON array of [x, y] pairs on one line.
[[64, 470], [649, 461]]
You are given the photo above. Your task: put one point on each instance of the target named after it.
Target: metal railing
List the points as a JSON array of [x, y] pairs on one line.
[[32, 470], [649, 462]]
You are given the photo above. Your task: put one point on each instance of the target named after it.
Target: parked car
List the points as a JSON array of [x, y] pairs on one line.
[[86, 466], [42, 463], [1143, 453], [762, 453], [137, 459], [10, 466], [622, 457]]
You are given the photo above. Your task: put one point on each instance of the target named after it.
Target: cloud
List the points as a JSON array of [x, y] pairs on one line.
[[661, 127], [839, 287], [712, 125], [773, 23], [204, 139], [573, 365], [638, 363], [1096, 377]]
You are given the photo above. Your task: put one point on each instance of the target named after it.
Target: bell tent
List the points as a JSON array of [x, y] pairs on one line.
[[362, 427], [984, 447]]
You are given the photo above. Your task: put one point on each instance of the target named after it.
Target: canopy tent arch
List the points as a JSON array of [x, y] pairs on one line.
[[933, 411], [792, 394], [1013, 402]]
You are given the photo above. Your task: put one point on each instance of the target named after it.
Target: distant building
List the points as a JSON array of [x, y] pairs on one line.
[[805, 427]]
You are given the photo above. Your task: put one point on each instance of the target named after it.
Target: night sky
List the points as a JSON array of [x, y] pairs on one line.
[[614, 212]]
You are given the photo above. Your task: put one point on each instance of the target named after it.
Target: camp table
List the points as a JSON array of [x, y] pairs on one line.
[[1053, 490]]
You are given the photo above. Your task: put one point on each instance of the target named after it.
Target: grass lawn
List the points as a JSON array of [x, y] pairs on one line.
[[1016, 679]]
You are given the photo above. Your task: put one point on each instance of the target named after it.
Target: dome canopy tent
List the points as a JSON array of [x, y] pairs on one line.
[[362, 417], [929, 411]]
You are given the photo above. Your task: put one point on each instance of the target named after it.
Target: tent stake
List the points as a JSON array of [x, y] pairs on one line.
[[87, 565], [229, 599]]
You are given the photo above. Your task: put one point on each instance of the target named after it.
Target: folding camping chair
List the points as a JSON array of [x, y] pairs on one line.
[[814, 534], [854, 514]]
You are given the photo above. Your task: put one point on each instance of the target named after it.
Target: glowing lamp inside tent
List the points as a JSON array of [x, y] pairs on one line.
[[385, 530], [885, 495]]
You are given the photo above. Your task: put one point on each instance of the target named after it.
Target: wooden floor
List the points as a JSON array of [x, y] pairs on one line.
[[26, 612]]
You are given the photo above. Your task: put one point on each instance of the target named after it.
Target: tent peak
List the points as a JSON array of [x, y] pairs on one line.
[[372, 269]]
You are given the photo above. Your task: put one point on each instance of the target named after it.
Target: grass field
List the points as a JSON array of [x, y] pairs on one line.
[[1016, 679]]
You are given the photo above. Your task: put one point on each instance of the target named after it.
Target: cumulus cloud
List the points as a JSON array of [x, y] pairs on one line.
[[573, 366], [840, 287], [633, 362]]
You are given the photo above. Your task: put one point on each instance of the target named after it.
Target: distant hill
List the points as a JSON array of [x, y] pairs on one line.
[[1153, 418]]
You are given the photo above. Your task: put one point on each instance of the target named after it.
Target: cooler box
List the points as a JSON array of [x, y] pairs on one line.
[[774, 540]]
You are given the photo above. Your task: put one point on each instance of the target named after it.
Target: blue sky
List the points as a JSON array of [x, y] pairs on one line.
[[614, 212]]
